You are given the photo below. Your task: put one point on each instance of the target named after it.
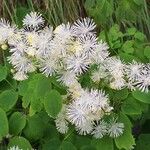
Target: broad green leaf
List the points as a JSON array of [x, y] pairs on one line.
[[8, 99], [34, 91], [3, 123], [17, 122], [128, 47], [143, 142], [147, 52], [53, 103], [40, 85], [67, 146], [36, 104], [81, 141], [3, 72], [131, 31], [106, 143], [23, 87], [27, 99], [126, 140], [120, 95], [43, 85], [21, 142], [142, 96], [88, 147], [131, 106], [50, 132], [140, 36], [34, 128], [53, 144]]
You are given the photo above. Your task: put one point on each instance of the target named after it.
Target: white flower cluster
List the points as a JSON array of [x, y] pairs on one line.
[[68, 51], [87, 113]]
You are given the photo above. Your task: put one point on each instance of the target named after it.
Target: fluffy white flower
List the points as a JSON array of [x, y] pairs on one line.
[[99, 74], [61, 122], [63, 32], [31, 37], [115, 67], [33, 20], [78, 63], [68, 78], [83, 26], [18, 46], [6, 31], [21, 63], [85, 128], [134, 70], [118, 84], [88, 42], [143, 83], [48, 65], [100, 130], [44, 42], [76, 115], [86, 108], [101, 52], [115, 129], [20, 76]]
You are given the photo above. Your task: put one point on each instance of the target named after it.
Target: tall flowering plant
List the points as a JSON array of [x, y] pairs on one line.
[[66, 56]]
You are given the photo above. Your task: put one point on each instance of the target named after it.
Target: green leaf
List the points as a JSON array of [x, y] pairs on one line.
[[34, 128], [67, 146], [27, 99], [128, 47], [81, 141], [53, 103], [143, 142], [39, 85], [53, 144], [43, 85], [88, 147], [120, 95], [147, 52], [23, 87], [142, 96], [126, 140], [3, 72], [140, 36], [17, 122], [3, 123], [131, 106], [50, 132], [127, 57], [131, 31], [8, 99], [106, 143], [21, 142]]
